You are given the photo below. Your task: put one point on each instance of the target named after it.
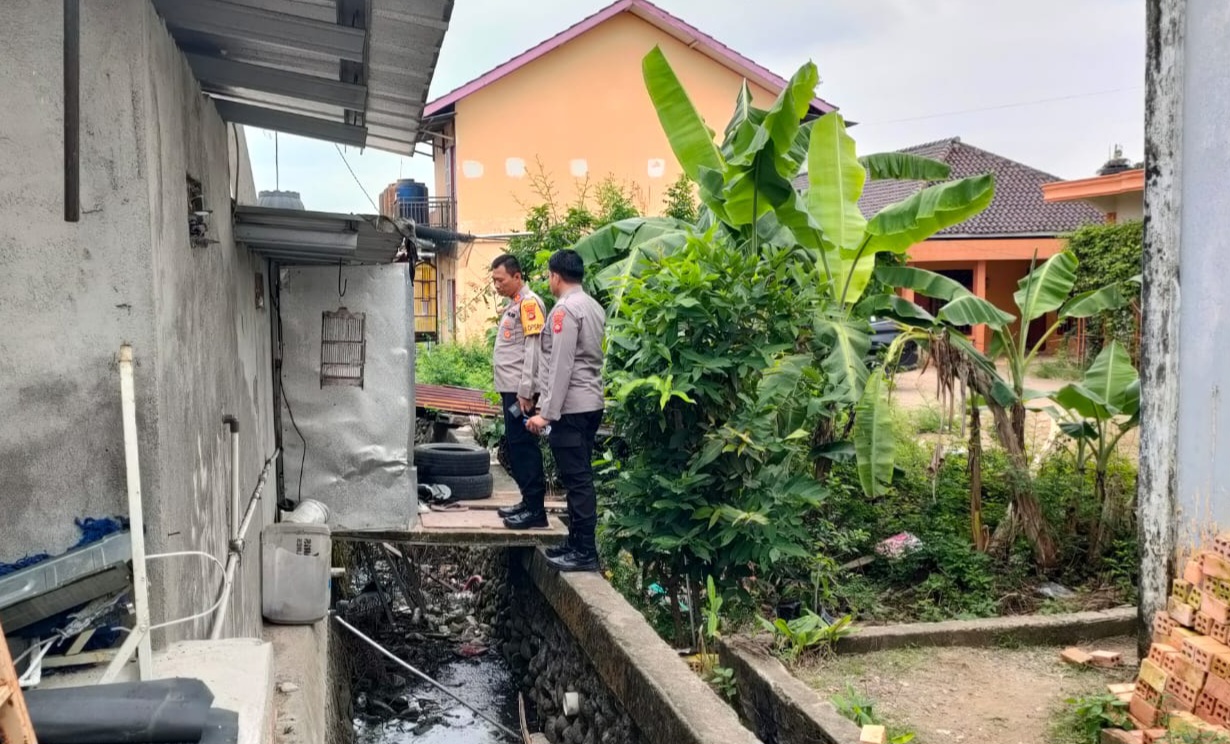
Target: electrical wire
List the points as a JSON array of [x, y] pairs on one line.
[[277, 309], [198, 615], [342, 155]]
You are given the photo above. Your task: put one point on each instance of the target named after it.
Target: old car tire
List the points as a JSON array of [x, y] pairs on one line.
[[465, 487], [451, 459]]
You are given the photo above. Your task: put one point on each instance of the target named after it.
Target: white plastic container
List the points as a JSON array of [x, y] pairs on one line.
[[295, 575]]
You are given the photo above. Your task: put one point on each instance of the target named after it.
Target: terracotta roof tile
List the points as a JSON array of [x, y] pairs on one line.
[[1017, 209]]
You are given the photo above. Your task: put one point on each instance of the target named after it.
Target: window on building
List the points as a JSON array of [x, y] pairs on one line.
[[343, 348], [426, 302]]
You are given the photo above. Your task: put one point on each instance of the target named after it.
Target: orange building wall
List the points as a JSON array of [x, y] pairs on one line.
[[584, 101]]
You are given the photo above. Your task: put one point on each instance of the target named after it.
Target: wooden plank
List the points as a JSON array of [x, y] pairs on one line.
[[15, 726]]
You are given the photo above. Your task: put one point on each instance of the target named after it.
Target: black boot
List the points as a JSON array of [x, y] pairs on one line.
[[527, 520], [507, 511], [577, 560], [558, 551]]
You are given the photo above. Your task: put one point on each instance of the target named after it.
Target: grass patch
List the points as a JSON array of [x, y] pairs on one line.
[[1059, 367], [860, 709]]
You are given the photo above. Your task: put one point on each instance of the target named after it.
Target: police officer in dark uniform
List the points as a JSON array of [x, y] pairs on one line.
[[571, 406]]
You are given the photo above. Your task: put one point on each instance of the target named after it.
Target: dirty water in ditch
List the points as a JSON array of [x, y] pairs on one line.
[[433, 610]]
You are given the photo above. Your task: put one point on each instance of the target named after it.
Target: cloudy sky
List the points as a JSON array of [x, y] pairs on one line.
[[1051, 83]]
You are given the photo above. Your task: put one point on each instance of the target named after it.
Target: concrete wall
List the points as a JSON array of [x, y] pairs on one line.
[[70, 294], [583, 112]]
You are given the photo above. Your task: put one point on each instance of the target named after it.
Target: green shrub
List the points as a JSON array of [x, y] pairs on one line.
[[465, 364]]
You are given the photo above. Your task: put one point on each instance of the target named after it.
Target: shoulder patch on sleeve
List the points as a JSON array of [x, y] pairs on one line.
[[532, 320], [557, 324]]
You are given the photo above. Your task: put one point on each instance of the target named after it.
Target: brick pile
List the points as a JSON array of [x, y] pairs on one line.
[[1182, 692]]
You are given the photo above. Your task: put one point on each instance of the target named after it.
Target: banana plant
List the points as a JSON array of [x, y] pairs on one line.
[[1098, 412], [1045, 291], [749, 201]]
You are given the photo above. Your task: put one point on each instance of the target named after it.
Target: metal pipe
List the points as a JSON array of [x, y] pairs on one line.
[[516, 736], [136, 521], [235, 552], [233, 423], [72, 110]]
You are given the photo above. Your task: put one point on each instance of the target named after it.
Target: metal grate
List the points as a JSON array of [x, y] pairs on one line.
[[343, 348]]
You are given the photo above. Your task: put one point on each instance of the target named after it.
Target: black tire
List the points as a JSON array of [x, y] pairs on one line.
[[449, 459], [465, 487]]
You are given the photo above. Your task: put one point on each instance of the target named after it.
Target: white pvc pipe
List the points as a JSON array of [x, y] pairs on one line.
[[236, 551], [136, 520]]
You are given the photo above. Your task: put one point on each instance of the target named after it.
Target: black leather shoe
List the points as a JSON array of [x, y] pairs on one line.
[[560, 550], [527, 520], [507, 511], [577, 560]]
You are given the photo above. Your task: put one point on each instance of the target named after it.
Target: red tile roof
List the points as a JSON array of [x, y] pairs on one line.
[[1017, 209], [650, 13]]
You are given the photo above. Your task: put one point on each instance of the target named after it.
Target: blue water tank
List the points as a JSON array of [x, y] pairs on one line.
[[412, 200]]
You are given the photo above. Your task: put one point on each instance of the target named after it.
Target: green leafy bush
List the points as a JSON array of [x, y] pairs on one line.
[[460, 364], [1108, 254]]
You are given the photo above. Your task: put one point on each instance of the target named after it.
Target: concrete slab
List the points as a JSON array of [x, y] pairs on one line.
[[473, 527], [301, 669], [1068, 628], [500, 499]]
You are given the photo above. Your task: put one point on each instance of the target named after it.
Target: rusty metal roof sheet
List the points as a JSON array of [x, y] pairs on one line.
[[454, 400]]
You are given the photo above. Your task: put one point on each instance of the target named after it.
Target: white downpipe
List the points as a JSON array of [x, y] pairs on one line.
[[139, 639], [235, 553]]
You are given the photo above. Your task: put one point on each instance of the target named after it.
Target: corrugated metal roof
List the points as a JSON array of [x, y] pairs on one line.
[[355, 72], [454, 400], [295, 236]]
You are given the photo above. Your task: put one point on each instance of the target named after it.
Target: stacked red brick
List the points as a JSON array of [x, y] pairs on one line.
[[1184, 684]]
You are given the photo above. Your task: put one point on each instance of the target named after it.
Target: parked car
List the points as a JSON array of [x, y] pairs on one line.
[[883, 333]]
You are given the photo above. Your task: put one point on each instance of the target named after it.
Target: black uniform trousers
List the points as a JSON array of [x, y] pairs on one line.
[[524, 454], [572, 443]]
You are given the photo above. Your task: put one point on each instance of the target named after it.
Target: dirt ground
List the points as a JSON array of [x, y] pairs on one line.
[[915, 392], [987, 696]]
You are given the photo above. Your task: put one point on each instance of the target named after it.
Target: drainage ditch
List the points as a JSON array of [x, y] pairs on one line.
[[471, 620]]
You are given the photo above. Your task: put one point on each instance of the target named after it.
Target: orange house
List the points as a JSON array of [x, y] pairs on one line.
[[1119, 195], [574, 108], [992, 251]]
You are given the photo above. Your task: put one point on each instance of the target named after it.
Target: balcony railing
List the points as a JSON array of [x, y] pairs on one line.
[[435, 211]]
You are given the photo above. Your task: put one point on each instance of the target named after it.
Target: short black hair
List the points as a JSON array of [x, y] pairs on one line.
[[568, 264], [509, 262]]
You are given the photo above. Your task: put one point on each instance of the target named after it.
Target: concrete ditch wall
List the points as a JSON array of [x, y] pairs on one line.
[[550, 663], [654, 687], [779, 707]]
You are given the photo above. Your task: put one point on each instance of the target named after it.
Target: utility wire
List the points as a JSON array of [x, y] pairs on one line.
[[1000, 107], [342, 155]]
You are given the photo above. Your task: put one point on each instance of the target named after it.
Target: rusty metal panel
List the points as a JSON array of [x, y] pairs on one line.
[[350, 445], [450, 399]]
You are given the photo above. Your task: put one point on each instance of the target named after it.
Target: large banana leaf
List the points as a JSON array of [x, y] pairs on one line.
[[896, 307], [924, 282], [855, 273], [1045, 289], [745, 135], [873, 436], [1111, 376], [1094, 302], [835, 182], [902, 166], [786, 115], [689, 137], [971, 310], [962, 306], [845, 364], [930, 210], [628, 244], [752, 192]]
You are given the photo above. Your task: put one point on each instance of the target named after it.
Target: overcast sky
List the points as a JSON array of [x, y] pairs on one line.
[[1051, 83]]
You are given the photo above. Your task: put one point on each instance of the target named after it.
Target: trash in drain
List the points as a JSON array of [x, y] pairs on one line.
[[420, 714]]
